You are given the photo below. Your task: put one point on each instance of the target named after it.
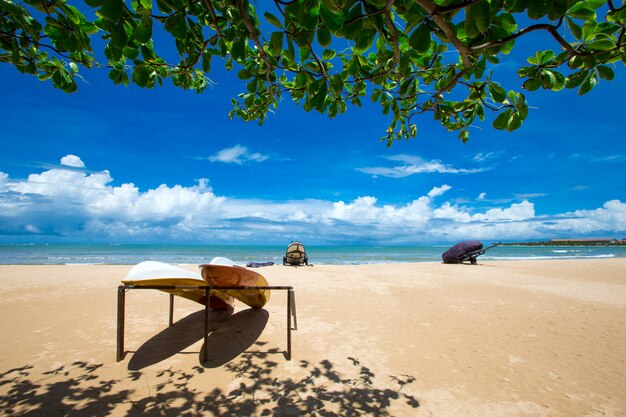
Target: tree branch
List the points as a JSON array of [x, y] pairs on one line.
[[552, 29], [455, 7], [319, 62], [446, 27], [364, 16], [454, 81], [394, 32], [209, 6], [255, 39]]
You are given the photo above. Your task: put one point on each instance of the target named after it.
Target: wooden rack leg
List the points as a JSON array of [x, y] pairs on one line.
[[207, 301], [121, 304], [292, 294], [171, 309], [289, 325]]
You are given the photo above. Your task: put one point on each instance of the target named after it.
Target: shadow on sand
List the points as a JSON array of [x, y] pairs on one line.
[[81, 390], [230, 335]]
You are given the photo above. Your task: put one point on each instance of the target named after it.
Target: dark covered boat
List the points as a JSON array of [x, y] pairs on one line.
[[466, 251]]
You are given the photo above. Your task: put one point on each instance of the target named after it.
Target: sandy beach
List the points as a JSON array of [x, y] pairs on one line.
[[517, 338]]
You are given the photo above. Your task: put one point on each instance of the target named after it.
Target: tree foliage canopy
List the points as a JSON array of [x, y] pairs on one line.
[[409, 56]]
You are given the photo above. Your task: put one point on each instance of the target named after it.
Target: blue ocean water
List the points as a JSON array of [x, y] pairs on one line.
[[54, 254]]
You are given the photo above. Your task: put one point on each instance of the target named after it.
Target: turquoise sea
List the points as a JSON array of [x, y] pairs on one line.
[[54, 254]]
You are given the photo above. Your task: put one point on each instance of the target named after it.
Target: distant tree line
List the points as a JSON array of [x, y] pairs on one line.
[[572, 242]]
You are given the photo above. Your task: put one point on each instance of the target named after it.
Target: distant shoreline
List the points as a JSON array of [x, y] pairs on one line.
[[567, 243], [318, 255]]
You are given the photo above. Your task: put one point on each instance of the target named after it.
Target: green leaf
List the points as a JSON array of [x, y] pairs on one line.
[[539, 8], [548, 80], [507, 22], [501, 122], [601, 45], [481, 14], [574, 28], [318, 99], [332, 19], [238, 51], [112, 9], [143, 31], [119, 77], [323, 37], [420, 38], [594, 4], [118, 36], [177, 26], [605, 72], [143, 7], [301, 80], [328, 54], [546, 56], [589, 29], [376, 95], [364, 40], [498, 94], [575, 62], [580, 10], [244, 74], [276, 42], [514, 122], [273, 20], [576, 79], [130, 53], [558, 78], [470, 23], [588, 84], [532, 84]]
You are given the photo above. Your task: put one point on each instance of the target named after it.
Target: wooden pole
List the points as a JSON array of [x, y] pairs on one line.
[[121, 305], [207, 306], [289, 325], [171, 310], [293, 309]]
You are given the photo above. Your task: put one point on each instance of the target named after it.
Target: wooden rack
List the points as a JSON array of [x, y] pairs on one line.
[[121, 307]]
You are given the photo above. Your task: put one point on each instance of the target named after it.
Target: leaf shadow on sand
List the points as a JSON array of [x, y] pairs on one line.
[[260, 386], [82, 390], [229, 336]]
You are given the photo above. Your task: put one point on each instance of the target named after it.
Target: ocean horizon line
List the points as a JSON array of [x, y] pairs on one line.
[[129, 254]]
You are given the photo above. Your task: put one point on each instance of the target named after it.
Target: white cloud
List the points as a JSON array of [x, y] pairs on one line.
[[437, 191], [72, 161], [237, 155], [530, 195], [481, 196], [86, 206], [416, 165], [4, 179], [482, 157], [515, 212]]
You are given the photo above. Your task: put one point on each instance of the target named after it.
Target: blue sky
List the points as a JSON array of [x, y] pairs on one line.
[[121, 165]]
